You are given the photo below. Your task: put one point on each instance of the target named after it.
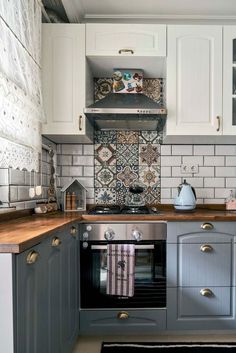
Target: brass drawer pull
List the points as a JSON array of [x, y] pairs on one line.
[[126, 51], [73, 231], [32, 257], [206, 292], [206, 248], [122, 315], [207, 226], [56, 242]]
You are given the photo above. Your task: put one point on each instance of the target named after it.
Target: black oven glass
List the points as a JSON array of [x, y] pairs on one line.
[[150, 277]]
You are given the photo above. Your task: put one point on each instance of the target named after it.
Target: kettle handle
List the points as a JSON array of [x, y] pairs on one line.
[[194, 192]]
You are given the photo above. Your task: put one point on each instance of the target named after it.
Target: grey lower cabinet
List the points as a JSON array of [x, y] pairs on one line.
[[122, 322], [201, 275], [46, 296]]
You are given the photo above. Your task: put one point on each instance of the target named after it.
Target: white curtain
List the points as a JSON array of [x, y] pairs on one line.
[[21, 109]]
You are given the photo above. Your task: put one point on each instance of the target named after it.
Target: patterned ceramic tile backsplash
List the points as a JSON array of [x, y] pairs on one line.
[[123, 157]]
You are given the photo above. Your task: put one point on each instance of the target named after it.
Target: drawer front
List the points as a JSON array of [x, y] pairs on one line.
[[192, 303], [187, 309], [204, 264], [108, 321], [125, 40], [218, 232]]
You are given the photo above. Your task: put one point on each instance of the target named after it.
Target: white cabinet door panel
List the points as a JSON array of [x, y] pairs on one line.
[[194, 80]]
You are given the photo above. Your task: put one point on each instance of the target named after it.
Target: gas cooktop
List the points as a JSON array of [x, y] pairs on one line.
[[113, 209]]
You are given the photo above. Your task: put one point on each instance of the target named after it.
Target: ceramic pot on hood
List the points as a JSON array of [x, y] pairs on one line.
[[186, 198]]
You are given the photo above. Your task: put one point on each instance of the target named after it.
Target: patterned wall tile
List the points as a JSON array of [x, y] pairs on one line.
[[105, 154], [127, 137], [126, 175], [150, 137], [105, 176], [121, 194], [105, 196], [149, 175], [149, 154], [127, 154], [101, 136]]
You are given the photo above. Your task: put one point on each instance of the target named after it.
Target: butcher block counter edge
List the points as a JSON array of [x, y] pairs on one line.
[[21, 234]]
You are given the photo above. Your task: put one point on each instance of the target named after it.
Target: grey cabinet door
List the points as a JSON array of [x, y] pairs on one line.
[[70, 290], [53, 288], [30, 302]]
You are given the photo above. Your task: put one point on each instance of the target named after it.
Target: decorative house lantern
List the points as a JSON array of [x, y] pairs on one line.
[[74, 196]]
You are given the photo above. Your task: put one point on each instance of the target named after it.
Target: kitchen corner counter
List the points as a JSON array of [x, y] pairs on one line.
[[20, 234]]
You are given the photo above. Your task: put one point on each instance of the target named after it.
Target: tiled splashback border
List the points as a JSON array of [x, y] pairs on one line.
[[122, 157]]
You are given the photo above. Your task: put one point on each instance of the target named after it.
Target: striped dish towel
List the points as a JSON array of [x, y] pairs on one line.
[[120, 266]]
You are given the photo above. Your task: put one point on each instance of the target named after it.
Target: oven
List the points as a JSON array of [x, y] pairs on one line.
[[149, 240]]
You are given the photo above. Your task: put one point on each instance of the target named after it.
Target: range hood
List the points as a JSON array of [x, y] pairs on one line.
[[126, 111]]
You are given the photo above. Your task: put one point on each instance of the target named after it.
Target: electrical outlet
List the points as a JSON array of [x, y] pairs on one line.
[[189, 168]]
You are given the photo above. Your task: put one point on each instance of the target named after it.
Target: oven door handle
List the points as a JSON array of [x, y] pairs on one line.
[[138, 247]]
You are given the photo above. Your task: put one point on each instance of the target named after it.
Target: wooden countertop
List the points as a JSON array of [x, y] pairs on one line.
[[20, 234]]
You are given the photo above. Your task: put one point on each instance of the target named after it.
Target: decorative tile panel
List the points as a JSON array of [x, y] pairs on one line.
[[127, 154], [105, 196], [105, 154], [127, 137], [105, 176], [126, 175], [149, 154]]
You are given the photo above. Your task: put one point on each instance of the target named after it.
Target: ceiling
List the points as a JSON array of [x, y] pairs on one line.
[[87, 10]]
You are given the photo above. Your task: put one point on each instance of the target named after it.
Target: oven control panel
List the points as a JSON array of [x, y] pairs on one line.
[[123, 231]]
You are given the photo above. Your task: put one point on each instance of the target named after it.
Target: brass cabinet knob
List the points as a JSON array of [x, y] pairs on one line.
[[206, 292], [207, 226], [56, 241], [73, 231], [123, 315], [206, 248], [32, 257]]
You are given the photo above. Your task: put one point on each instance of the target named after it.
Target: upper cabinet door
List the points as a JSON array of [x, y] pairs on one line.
[[229, 106], [64, 82], [122, 39], [194, 80]]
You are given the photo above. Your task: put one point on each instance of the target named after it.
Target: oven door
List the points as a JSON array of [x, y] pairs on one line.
[[150, 276]]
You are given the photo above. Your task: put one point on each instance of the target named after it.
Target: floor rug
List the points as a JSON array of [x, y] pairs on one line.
[[168, 347]]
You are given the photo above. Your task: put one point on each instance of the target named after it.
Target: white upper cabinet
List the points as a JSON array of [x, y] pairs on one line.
[[64, 83], [125, 39], [229, 86], [194, 80]]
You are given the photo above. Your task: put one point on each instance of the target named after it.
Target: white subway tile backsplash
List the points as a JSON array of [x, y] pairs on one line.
[[204, 193], [166, 171], [195, 182], [231, 183], [226, 171], [83, 160], [214, 161], [230, 161], [182, 150], [71, 149], [64, 160], [88, 171], [71, 171], [165, 193], [222, 193], [166, 150], [214, 201], [4, 193], [88, 150], [170, 182], [206, 171], [214, 182], [225, 150], [4, 176], [170, 161], [87, 182], [203, 150], [176, 172], [193, 160], [13, 193], [16, 177]]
